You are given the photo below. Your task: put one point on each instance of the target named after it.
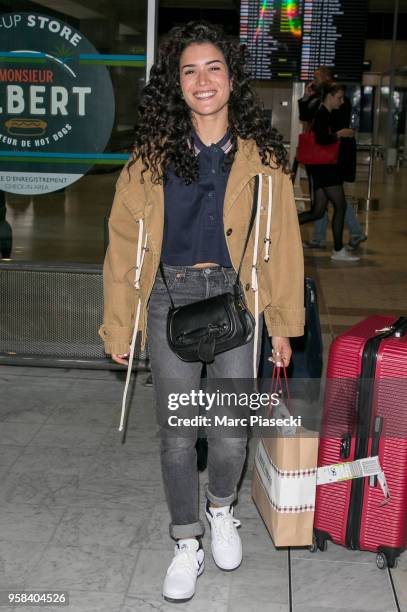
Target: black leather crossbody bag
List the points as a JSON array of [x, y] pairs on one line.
[[201, 330]]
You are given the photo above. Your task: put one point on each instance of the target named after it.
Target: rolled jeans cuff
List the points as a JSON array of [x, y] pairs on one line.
[[220, 501], [181, 532]]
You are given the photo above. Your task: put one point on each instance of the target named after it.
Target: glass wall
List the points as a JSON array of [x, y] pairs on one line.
[[70, 80]]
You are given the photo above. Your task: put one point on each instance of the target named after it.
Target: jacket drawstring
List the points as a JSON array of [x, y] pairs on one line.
[[140, 253], [267, 241], [141, 250], [255, 285]]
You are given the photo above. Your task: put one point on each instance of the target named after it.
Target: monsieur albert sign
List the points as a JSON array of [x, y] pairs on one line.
[[56, 104]]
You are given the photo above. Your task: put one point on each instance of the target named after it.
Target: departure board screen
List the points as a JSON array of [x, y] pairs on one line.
[[289, 39], [271, 29], [333, 34]]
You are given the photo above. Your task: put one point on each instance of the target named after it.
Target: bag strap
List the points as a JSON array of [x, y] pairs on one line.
[[251, 223], [278, 387], [249, 231], [166, 285]]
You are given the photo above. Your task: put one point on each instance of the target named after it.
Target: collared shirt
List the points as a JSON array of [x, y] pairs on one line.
[[193, 214]]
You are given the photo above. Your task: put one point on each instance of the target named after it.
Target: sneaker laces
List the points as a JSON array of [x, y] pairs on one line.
[[184, 559], [225, 526]]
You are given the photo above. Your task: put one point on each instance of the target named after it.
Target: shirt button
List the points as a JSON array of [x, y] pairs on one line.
[[211, 194], [247, 286], [213, 171], [211, 217], [229, 231]]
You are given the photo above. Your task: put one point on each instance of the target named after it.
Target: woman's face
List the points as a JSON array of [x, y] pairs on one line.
[[204, 79], [336, 99]]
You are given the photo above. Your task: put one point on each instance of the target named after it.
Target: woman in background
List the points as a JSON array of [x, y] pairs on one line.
[[327, 179]]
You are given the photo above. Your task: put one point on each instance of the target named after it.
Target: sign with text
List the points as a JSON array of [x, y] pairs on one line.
[[56, 105]]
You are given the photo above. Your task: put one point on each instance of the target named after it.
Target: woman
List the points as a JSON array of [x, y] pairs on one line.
[[327, 179], [185, 199]]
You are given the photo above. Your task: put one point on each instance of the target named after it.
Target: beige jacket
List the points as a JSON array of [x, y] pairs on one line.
[[272, 273]]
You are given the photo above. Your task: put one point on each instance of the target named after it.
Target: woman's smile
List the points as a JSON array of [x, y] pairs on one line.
[[204, 95]]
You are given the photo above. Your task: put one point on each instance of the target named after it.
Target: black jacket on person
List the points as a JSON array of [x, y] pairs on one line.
[[339, 119]]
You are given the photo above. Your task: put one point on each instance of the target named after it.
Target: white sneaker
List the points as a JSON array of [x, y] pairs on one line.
[[226, 543], [344, 255], [187, 565]]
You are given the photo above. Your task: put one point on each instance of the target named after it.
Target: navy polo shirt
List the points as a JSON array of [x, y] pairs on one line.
[[193, 214]]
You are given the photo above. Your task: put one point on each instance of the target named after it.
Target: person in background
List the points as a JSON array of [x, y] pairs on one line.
[[356, 234], [340, 118], [327, 179], [6, 235], [311, 100]]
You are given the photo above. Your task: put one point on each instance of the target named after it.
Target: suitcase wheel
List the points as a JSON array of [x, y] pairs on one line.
[[318, 543], [313, 548], [383, 561]]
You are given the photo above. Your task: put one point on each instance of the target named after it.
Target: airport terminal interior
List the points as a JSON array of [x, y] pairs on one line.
[[79, 511]]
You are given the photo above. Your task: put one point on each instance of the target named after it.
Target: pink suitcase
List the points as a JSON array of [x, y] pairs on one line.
[[365, 415]]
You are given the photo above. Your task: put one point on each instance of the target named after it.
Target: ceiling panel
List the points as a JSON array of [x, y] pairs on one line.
[[386, 6], [375, 6], [200, 4], [70, 7]]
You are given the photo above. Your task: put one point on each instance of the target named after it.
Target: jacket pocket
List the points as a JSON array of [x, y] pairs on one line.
[[159, 285]]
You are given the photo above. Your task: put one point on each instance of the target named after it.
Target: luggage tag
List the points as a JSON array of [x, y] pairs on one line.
[[367, 467]]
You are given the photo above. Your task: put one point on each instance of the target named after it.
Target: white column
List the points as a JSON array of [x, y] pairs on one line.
[[296, 126], [152, 15], [391, 151]]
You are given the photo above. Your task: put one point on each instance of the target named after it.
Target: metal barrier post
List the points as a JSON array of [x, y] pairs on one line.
[[369, 203], [370, 178]]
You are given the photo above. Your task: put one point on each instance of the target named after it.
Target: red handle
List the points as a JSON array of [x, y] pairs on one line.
[[277, 385]]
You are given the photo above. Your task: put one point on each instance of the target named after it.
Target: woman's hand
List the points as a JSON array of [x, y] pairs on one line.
[[281, 353], [345, 133], [309, 91], [122, 359]]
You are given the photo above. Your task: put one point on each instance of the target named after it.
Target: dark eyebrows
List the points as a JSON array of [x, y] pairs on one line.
[[206, 64]]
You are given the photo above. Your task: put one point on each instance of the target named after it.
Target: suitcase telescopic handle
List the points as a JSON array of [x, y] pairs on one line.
[[400, 327], [377, 431]]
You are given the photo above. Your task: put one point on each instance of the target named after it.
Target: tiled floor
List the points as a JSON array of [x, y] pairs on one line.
[[80, 512], [83, 513]]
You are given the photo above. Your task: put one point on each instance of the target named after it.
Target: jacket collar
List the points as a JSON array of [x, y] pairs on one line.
[[248, 152], [224, 143], [246, 165]]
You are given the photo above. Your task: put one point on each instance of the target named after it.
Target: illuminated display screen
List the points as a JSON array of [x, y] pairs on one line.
[[271, 29], [333, 34], [289, 39]]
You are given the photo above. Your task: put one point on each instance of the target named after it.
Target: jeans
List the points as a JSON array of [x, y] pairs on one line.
[[351, 221], [226, 455]]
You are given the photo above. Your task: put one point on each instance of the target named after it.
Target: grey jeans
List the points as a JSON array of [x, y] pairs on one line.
[[226, 455]]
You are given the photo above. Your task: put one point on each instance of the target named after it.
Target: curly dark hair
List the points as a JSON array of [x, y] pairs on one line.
[[164, 128]]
